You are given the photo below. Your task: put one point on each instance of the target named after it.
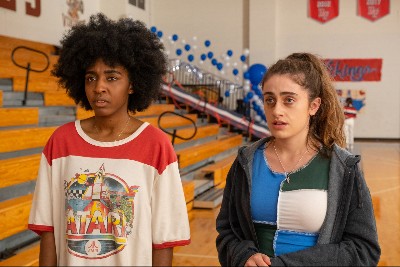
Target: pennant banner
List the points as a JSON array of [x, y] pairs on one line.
[[323, 10], [373, 9], [355, 70]]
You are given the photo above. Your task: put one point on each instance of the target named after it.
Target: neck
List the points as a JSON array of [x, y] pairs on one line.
[[292, 147]]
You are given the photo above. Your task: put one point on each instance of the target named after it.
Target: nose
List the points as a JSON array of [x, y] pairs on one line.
[[277, 110], [100, 86]]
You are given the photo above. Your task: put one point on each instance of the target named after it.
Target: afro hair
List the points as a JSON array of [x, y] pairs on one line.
[[127, 43]]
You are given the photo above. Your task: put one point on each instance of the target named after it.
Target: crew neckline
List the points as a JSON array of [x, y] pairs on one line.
[[94, 142]]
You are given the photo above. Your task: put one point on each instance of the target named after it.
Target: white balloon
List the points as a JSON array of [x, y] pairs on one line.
[[257, 118], [246, 87], [194, 38], [245, 67], [228, 64], [183, 41], [234, 64], [246, 51], [194, 47], [201, 62]]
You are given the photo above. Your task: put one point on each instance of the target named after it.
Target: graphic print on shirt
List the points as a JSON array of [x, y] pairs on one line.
[[99, 212]]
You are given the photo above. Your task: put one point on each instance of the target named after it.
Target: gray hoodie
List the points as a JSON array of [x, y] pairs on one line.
[[348, 236]]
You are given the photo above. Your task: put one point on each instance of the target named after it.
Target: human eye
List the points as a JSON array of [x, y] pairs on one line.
[[290, 100], [90, 78], [269, 100], [112, 78]]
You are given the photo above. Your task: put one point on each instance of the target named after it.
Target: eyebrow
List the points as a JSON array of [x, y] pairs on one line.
[[112, 71], [282, 93]]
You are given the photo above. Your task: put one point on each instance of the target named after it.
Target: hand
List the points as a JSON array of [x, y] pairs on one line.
[[258, 259]]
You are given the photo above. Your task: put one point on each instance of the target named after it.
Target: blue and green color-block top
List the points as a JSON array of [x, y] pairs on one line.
[[288, 216]]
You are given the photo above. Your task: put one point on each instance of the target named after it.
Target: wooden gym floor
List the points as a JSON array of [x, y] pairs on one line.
[[381, 166]]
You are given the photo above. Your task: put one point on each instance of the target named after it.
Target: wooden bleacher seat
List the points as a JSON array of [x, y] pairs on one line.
[[17, 170], [1, 98], [14, 214], [27, 138], [202, 132], [38, 82], [19, 116], [27, 257], [153, 110], [219, 170], [197, 153], [188, 190], [57, 98]]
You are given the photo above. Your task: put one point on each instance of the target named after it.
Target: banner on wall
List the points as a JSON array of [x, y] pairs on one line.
[[358, 97], [323, 10], [355, 70], [373, 9]]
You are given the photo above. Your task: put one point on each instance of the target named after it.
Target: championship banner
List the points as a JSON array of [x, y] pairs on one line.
[[323, 10], [355, 70], [373, 9]]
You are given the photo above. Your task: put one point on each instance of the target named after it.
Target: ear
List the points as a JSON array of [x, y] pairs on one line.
[[130, 89], [314, 106]]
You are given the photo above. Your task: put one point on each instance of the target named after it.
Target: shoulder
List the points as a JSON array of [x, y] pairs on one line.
[[64, 130], [345, 157], [155, 137]]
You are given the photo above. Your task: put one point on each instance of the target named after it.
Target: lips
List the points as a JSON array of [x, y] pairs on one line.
[[279, 125], [100, 102]]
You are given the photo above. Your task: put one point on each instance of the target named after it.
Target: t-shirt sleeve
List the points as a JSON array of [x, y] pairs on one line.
[[170, 222], [40, 219]]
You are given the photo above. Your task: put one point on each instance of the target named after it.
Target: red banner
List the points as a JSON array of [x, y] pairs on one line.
[[355, 70], [373, 9], [323, 10]]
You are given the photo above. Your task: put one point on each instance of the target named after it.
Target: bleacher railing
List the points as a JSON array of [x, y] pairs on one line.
[[210, 87]]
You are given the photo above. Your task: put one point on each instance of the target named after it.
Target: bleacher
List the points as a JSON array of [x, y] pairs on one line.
[[24, 129]]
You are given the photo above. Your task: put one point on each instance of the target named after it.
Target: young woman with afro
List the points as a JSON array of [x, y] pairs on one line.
[[108, 190]]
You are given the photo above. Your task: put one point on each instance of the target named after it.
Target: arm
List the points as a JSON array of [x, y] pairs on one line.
[[162, 257], [233, 242], [354, 241], [47, 256]]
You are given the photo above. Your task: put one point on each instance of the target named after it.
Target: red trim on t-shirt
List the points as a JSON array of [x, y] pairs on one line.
[[39, 229], [172, 244], [151, 147]]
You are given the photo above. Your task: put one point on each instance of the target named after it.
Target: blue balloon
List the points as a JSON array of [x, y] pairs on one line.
[[159, 34], [190, 57], [235, 72], [256, 73], [229, 53], [179, 51], [174, 37], [203, 57], [246, 100], [207, 43], [210, 55], [249, 95], [220, 66], [254, 87], [187, 47], [214, 62], [227, 93], [243, 58], [246, 75], [153, 29]]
